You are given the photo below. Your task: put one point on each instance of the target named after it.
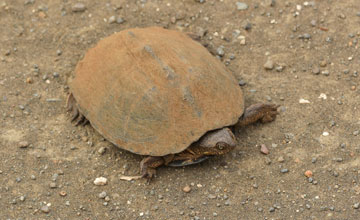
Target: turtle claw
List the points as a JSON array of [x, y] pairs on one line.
[[85, 122], [80, 120], [149, 173], [76, 114]]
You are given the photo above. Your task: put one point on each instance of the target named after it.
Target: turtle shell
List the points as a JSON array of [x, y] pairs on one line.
[[154, 91]]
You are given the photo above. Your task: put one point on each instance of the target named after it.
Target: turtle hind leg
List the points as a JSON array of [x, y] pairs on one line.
[[258, 112], [75, 113]]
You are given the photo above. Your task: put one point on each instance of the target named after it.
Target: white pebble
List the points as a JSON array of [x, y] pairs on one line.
[[242, 40], [100, 181], [322, 96], [325, 133], [304, 101]]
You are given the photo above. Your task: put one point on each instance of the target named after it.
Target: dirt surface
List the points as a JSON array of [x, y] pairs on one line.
[[48, 166]]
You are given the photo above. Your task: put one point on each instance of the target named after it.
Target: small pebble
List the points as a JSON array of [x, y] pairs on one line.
[[112, 19], [268, 160], [242, 83], [313, 23], [308, 173], [269, 65], [247, 26], [281, 159], [242, 40], [241, 6], [307, 36], [356, 205], [264, 149], [102, 195], [304, 101], [339, 159], [102, 150], [322, 96], [45, 209], [120, 20], [279, 68], [100, 181], [187, 189], [211, 196], [325, 72], [323, 63], [78, 7], [62, 193], [23, 144], [220, 51], [270, 3], [29, 80], [316, 70], [53, 185], [284, 170]]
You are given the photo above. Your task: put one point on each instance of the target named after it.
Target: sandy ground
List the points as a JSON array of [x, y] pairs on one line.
[[47, 165]]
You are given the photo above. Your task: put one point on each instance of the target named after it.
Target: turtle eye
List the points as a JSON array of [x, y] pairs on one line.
[[221, 147]]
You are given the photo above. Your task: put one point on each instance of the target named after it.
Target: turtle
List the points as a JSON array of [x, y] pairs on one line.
[[157, 92]]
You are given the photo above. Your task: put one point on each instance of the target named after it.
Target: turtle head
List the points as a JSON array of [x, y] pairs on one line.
[[217, 142]]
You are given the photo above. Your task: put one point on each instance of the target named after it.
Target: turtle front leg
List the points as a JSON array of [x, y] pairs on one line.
[[258, 112], [149, 164]]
